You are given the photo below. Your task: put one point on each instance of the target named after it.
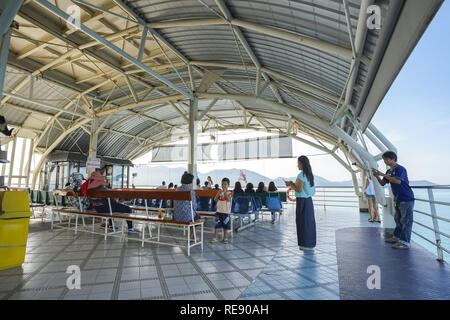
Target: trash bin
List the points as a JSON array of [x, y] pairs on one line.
[[14, 220]]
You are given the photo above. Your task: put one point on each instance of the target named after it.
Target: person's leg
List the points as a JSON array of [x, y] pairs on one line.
[[118, 207], [406, 219], [369, 202], [310, 224], [217, 227], [375, 210], [299, 221], [398, 225], [226, 227]]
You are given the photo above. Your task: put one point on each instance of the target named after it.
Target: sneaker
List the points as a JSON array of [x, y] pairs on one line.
[[305, 248], [400, 245], [391, 240], [225, 241], [132, 230], [213, 240]]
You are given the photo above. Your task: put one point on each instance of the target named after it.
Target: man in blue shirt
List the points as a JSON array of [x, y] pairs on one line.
[[403, 200]]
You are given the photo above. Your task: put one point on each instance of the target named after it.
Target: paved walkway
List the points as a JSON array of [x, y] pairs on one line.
[[261, 262]]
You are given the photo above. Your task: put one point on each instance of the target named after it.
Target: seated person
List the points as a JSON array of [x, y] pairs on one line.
[[249, 188], [181, 208], [237, 188], [97, 182], [272, 187], [261, 187]]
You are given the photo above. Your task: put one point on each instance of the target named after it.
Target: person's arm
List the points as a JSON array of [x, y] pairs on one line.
[[394, 180], [227, 196], [376, 174], [297, 186], [216, 198], [366, 184]]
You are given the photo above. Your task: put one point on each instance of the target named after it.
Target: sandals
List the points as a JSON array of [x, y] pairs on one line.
[[225, 241], [371, 220]]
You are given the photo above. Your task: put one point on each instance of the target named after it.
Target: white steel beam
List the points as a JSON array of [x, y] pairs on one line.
[[264, 29], [58, 12]]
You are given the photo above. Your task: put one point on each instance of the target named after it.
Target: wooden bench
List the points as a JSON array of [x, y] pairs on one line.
[[146, 221], [198, 193]]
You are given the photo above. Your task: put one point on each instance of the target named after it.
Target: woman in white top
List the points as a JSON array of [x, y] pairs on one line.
[[370, 195]]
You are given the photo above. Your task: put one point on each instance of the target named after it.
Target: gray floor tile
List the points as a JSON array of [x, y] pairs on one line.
[[151, 292], [129, 294]]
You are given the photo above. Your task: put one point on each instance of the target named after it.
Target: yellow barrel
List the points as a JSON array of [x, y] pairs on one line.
[[14, 220]]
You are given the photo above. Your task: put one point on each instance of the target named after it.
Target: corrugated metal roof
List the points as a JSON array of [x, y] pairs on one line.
[[302, 76]]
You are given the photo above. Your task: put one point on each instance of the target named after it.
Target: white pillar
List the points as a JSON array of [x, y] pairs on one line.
[[93, 140], [193, 113], [11, 163]]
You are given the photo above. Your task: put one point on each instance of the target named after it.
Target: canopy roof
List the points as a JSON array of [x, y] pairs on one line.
[[276, 65]]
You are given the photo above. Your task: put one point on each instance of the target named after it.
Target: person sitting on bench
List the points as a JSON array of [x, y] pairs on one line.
[[101, 205]]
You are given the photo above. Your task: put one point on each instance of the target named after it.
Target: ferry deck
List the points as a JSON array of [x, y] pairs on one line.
[[91, 85]]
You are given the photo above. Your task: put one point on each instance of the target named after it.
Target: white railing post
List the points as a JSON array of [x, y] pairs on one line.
[[440, 253]]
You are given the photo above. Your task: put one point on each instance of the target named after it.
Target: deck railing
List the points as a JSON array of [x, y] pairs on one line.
[[437, 235], [435, 218]]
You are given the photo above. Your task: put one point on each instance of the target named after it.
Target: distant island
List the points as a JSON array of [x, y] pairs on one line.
[[154, 175]]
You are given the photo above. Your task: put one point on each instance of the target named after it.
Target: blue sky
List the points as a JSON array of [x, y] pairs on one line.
[[415, 114]]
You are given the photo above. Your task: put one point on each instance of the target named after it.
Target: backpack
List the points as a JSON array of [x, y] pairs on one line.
[[76, 181]]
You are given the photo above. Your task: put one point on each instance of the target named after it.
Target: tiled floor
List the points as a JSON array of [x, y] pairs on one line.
[[261, 262]]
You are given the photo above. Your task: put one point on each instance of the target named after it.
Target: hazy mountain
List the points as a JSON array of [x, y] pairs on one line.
[[153, 176]]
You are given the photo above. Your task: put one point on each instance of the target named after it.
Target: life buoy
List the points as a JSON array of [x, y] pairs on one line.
[[291, 194]]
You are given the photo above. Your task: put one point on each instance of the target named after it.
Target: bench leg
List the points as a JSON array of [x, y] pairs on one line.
[[68, 223], [51, 219], [159, 230], [195, 234], [106, 228], [189, 241], [232, 218], [149, 225], [82, 218], [201, 236], [43, 214], [93, 223], [143, 234], [76, 224]]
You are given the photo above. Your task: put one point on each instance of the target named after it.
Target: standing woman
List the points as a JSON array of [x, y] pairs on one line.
[[304, 190]]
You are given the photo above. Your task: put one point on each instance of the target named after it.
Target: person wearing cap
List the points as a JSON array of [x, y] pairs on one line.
[[97, 182], [182, 208]]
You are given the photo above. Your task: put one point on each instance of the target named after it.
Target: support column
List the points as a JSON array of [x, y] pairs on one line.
[[193, 112], [386, 202], [22, 158], [10, 9], [30, 160], [93, 141], [11, 163]]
